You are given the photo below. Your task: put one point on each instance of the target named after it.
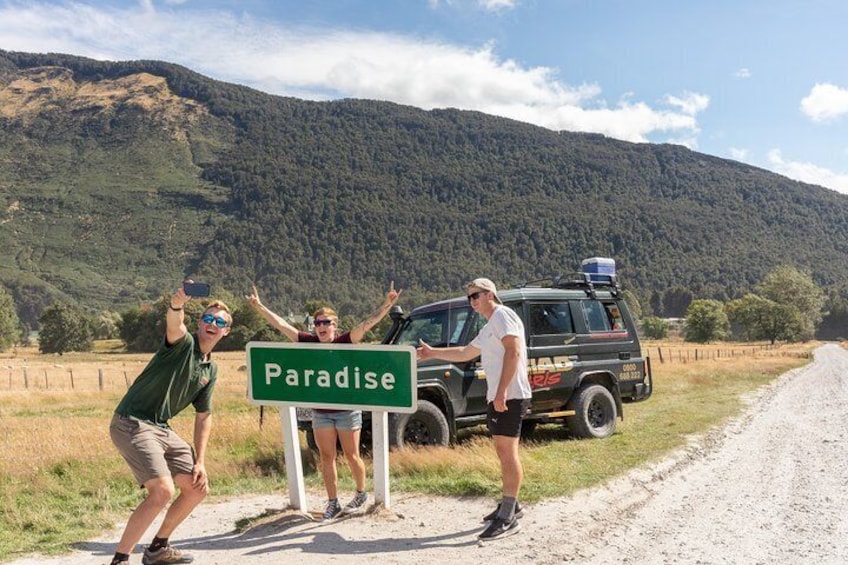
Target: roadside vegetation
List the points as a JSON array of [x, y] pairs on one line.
[[63, 482]]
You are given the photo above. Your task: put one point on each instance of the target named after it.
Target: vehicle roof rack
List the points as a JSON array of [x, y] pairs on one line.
[[590, 282]]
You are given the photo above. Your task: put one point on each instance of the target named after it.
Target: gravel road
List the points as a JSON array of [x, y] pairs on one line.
[[770, 487]]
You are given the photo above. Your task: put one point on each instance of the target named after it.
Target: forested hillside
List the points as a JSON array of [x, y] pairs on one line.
[[108, 199]]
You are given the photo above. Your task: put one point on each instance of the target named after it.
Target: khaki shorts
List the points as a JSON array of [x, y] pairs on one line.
[[150, 451]]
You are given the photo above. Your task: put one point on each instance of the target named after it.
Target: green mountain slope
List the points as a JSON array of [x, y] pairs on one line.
[[118, 178]]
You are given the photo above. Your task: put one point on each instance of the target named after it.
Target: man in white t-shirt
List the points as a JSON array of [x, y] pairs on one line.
[[502, 346]]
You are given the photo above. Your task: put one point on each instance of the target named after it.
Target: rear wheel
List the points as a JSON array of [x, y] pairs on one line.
[[426, 426], [594, 412]]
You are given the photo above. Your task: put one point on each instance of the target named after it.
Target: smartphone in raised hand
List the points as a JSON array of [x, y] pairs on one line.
[[197, 289]]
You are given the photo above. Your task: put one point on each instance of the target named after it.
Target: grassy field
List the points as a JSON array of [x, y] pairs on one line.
[[62, 480]]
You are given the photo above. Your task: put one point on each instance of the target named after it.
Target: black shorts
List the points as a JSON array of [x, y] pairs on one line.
[[507, 423]]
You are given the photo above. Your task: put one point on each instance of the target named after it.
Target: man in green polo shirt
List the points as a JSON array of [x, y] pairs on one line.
[[180, 373]]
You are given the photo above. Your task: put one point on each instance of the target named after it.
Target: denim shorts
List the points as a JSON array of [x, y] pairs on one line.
[[347, 420]]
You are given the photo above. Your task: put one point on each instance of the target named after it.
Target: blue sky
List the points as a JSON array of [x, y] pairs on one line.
[[763, 82]]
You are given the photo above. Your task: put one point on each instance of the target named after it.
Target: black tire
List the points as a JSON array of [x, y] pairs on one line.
[[426, 426], [595, 412], [310, 440]]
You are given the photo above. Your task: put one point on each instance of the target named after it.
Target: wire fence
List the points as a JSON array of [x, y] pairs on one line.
[[39, 377], [35, 374]]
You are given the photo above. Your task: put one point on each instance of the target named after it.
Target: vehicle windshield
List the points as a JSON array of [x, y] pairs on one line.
[[440, 328]]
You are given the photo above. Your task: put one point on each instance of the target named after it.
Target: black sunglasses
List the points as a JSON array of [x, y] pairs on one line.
[[323, 322], [476, 295]]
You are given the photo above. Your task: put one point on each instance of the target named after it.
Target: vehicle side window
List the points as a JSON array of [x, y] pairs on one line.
[[458, 325], [548, 319], [439, 329], [597, 319], [477, 324], [615, 317]]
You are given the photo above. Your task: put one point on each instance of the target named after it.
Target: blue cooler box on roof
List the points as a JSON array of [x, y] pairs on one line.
[[599, 269]]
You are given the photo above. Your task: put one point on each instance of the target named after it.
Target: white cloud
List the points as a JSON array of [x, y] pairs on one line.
[[327, 63], [690, 104], [742, 73], [495, 5], [808, 172], [739, 154], [825, 102]]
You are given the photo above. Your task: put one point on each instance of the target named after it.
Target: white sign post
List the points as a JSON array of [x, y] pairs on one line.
[[294, 464], [376, 378], [380, 439]]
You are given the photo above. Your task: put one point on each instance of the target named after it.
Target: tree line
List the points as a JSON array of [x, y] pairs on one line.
[[786, 305]]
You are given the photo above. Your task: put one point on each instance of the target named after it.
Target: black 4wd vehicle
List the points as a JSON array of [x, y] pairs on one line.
[[584, 355]]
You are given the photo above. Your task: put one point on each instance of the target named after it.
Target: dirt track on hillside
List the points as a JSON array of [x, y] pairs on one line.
[[771, 487]]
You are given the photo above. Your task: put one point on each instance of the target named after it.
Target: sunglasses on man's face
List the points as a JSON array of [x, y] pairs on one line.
[[476, 295], [218, 321], [323, 322]]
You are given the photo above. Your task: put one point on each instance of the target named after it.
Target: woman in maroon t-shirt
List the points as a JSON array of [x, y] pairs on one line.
[[332, 425]]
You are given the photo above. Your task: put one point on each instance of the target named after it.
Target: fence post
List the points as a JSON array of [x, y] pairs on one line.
[[71, 371], [659, 350], [100, 378], [46, 383], [26, 379]]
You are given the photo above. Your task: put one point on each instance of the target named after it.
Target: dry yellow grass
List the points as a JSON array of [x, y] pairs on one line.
[[62, 480], [50, 422]]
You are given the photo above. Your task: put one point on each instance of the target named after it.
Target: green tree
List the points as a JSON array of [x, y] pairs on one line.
[[760, 318], [654, 328], [676, 301], [248, 325], [633, 303], [834, 324], [801, 300], [106, 325], [65, 328], [706, 321], [10, 325]]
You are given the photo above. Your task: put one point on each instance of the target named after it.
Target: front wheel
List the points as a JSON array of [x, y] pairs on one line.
[[595, 412], [426, 426]]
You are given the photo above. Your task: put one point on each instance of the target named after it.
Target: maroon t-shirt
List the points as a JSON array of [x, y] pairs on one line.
[[307, 337]]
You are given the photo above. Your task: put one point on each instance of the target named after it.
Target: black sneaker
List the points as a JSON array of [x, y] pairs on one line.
[[356, 505], [519, 513], [165, 555], [500, 528], [332, 511]]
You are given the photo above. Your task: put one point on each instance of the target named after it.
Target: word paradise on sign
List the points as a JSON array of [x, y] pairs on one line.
[[343, 376]]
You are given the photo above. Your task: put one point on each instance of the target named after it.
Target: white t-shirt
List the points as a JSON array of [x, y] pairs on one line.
[[504, 322]]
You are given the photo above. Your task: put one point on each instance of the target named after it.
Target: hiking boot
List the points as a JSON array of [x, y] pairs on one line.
[[332, 511], [500, 528], [356, 505], [165, 555], [519, 513]]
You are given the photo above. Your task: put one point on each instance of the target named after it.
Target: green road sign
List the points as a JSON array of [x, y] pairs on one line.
[[334, 376]]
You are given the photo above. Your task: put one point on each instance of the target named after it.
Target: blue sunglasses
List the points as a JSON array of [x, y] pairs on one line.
[[209, 319]]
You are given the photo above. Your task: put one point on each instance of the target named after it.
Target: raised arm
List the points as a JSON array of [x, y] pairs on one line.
[[453, 354], [175, 327], [357, 333], [282, 326]]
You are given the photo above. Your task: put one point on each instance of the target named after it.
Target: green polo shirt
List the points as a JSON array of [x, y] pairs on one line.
[[175, 377]]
